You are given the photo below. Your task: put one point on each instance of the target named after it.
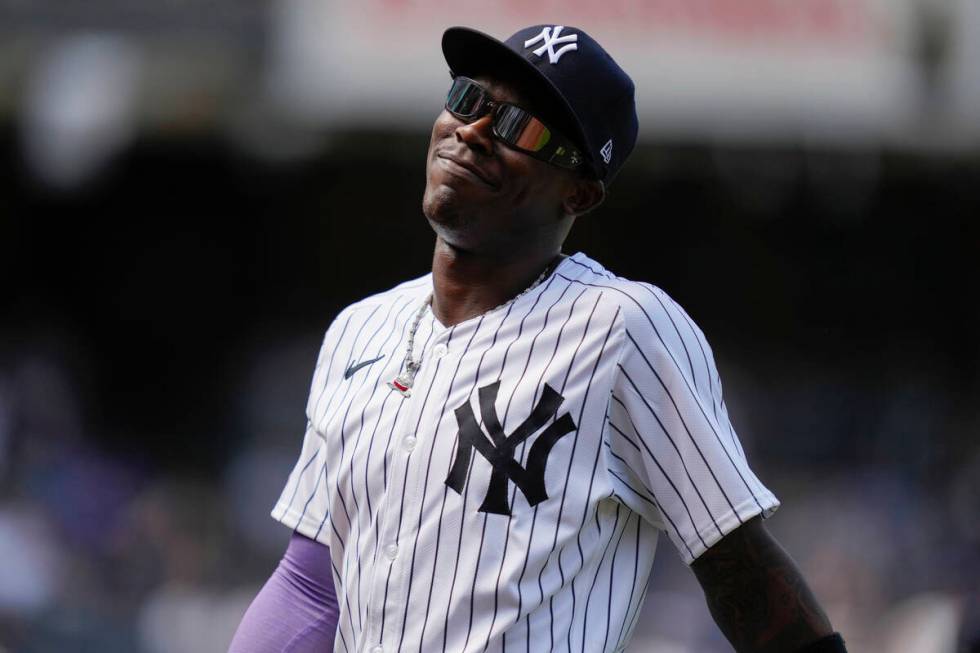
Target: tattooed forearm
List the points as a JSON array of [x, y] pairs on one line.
[[757, 595]]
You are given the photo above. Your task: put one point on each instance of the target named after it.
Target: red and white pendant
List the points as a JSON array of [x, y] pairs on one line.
[[402, 385]]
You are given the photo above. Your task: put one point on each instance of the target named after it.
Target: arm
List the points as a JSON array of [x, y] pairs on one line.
[[757, 595], [297, 608]]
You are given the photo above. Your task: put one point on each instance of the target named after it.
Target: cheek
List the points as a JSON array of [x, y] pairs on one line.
[[442, 128], [531, 184]]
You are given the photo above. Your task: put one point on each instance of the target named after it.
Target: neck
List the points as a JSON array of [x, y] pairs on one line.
[[466, 284]]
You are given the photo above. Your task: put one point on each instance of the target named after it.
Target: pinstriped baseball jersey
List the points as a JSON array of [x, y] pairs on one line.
[[515, 500]]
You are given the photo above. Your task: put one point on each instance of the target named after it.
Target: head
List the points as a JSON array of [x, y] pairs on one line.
[[486, 196]]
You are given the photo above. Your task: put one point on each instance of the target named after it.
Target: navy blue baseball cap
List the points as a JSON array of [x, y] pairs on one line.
[[574, 83]]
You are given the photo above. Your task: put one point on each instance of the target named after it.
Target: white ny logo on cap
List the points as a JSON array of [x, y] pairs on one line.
[[550, 39]]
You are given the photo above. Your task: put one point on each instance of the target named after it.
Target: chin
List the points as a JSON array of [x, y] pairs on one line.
[[441, 206], [458, 230]]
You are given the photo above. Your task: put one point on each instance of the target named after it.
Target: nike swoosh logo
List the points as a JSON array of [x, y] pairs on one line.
[[353, 368]]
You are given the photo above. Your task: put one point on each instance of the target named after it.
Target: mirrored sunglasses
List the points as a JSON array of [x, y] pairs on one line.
[[512, 125]]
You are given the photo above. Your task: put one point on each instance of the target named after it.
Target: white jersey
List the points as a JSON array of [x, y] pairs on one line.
[[514, 501]]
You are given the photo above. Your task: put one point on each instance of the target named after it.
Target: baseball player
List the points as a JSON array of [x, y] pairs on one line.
[[494, 450]]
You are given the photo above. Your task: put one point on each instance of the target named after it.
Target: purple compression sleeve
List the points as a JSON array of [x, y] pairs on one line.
[[296, 610]]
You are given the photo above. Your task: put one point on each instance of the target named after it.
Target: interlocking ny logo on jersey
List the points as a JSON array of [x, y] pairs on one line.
[[498, 449], [551, 38]]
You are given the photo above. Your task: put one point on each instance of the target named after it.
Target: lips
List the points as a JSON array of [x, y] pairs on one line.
[[460, 167]]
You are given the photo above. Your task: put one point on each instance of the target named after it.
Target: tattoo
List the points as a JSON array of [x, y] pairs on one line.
[[757, 595]]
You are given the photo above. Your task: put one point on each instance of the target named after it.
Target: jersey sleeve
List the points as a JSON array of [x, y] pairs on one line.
[[303, 503], [671, 451]]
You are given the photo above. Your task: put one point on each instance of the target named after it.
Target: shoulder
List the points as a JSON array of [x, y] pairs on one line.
[[418, 287], [648, 313], [363, 310]]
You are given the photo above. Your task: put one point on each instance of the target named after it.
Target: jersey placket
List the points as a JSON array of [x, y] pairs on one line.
[[398, 524]]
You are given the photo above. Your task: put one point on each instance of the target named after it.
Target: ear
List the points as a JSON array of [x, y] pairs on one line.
[[583, 195]]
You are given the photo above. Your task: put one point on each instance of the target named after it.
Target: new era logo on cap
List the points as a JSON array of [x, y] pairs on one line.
[[606, 151], [550, 38]]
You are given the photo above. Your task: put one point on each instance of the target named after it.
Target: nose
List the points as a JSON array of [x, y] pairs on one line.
[[478, 134]]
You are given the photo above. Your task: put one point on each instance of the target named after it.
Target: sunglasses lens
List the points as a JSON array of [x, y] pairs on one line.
[[464, 98], [519, 128], [513, 125]]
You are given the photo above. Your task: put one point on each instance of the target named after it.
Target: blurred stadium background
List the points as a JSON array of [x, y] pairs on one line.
[[189, 191]]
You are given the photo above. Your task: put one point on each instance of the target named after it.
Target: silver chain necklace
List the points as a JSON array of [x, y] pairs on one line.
[[403, 383]]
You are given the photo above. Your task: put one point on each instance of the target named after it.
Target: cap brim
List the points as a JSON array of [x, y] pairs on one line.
[[471, 52]]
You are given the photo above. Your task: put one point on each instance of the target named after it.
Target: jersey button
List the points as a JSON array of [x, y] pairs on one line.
[[440, 350], [378, 649], [391, 552], [409, 443]]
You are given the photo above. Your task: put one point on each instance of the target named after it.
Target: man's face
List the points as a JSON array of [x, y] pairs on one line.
[[484, 196]]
